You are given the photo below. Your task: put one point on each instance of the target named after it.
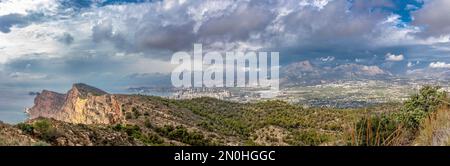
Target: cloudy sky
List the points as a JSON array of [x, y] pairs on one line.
[[118, 43]]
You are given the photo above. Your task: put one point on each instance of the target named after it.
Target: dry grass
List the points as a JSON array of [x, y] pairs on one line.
[[435, 130], [376, 135]]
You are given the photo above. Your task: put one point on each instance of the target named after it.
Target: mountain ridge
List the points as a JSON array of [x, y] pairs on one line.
[[81, 104], [306, 73], [149, 120]]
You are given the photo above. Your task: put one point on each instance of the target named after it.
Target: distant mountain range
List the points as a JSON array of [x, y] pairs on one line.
[[308, 73], [435, 73], [305, 73]]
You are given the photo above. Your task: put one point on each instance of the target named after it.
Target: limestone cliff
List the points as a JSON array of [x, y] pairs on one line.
[[82, 104]]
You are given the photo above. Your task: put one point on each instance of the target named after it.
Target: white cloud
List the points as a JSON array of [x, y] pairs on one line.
[[34, 41], [24, 7], [174, 25], [142, 28], [327, 59], [411, 7], [393, 57], [410, 64], [440, 65], [392, 19], [320, 4]]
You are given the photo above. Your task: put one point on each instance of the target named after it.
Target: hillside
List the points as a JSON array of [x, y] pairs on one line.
[[153, 120], [88, 116]]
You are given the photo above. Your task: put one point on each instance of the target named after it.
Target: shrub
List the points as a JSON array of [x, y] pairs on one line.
[[148, 123], [117, 127], [153, 139], [26, 128], [46, 131], [128, 115], [135, 132], [181, 134], [136, 112], [420, 105], [307, 138], [132, 130], [42, 125]]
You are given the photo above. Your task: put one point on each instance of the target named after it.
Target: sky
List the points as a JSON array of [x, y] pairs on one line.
[[114, 44]]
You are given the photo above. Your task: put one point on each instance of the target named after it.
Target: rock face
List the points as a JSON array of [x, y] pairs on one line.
[[82, 104]]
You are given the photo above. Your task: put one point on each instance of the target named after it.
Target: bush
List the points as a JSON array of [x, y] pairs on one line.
[[135, 132], [148, 123], [45, 130], [136, 112], [117, 127], [131, 130], [420, 105], [26, 128], [307, 138], [42, 125], [401, 127], [181, 134], [128, 115], [153, 139]]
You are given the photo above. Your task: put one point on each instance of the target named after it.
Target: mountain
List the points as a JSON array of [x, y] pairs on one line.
[[89, 116], [305, 73], [81, 104], [431, 73]]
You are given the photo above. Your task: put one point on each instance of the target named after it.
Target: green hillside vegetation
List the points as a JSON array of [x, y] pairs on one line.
[[421, 120], [415, 121]]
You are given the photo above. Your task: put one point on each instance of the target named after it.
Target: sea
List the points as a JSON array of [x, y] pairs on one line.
[[13, 104]]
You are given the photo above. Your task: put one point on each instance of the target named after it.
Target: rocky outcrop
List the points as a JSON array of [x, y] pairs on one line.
[[12, 136], [82, 104]]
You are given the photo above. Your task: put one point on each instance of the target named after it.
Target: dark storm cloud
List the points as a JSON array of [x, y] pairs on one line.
[[10, 20], [237, 25], [175, 30], [80, 4], [338, 29], [300, 30], [173, 38], [339, 26]]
